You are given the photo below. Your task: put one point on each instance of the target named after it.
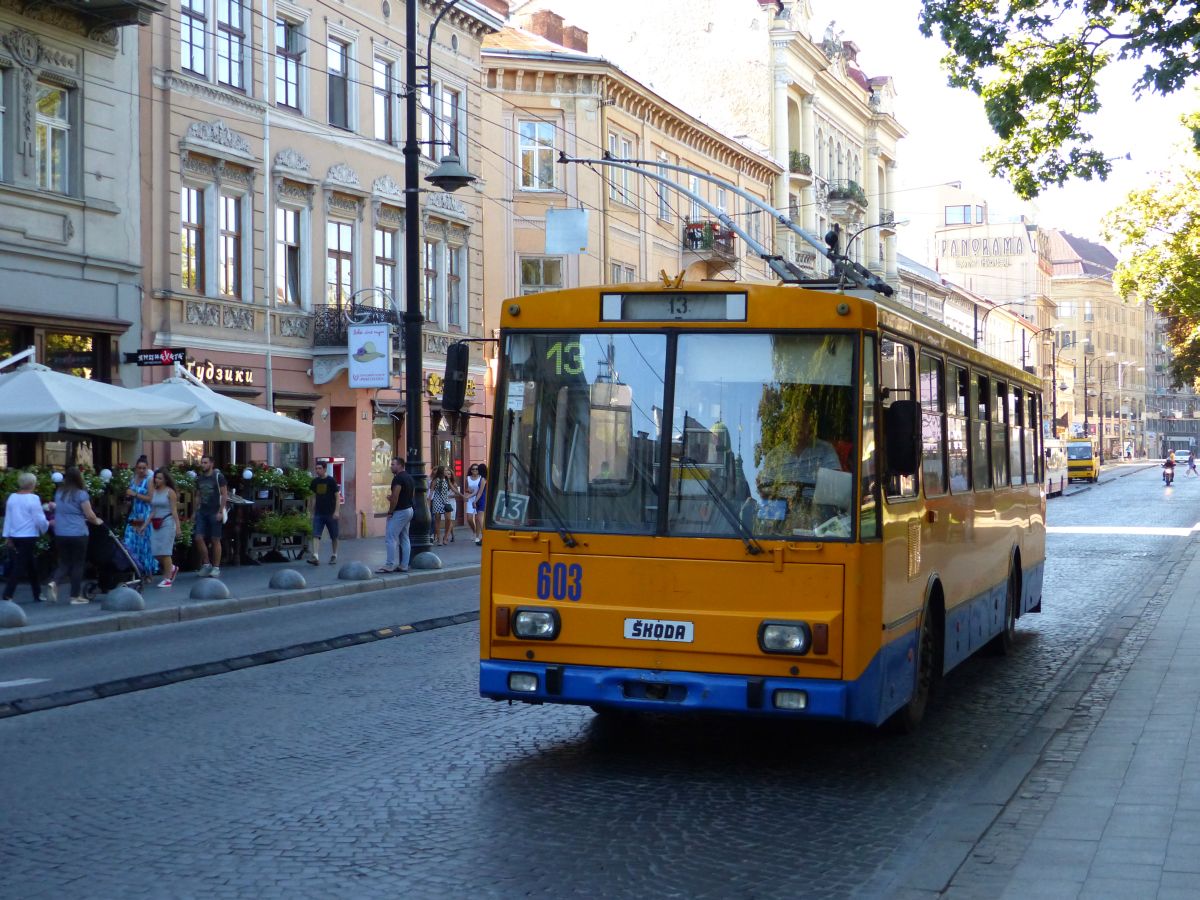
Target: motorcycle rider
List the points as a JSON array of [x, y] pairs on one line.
[[1169, 469]]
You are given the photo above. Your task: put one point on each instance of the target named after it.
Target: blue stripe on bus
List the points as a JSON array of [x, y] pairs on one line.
[[698, 691], [883, 688]]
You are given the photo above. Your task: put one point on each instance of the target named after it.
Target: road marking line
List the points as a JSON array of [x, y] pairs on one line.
[[1136, 530], [21, 682]]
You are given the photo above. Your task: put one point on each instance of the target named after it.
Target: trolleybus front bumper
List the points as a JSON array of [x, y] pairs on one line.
[[671, 691]]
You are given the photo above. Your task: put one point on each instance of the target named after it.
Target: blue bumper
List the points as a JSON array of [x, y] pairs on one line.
[[667, 691]]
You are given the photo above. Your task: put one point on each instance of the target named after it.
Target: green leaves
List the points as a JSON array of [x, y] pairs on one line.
[[1035, 64]]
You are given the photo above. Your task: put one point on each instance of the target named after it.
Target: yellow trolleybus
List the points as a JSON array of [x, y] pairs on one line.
[[751, 498]]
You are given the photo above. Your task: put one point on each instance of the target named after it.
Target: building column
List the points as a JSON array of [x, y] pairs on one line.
[[780, 135], [808, 134], [872, 255]]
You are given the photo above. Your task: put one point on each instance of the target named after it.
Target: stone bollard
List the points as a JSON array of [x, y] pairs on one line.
[[355, 571], [426, 560], [287, 580], [123, 599], [11, 615], [209, 589]]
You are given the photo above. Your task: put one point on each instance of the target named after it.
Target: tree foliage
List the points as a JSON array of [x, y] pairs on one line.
[[1035, 63], [1159, 228]]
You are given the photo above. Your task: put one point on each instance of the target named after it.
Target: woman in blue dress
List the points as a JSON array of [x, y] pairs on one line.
[[137, 528]]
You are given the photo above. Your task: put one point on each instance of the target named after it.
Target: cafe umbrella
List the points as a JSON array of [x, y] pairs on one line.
[[220, 418], [35, 399]]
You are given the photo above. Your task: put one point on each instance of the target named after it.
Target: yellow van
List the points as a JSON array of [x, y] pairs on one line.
[[1083, 461]]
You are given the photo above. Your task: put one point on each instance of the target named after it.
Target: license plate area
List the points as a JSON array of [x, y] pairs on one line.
[[660, 630], [654, 690]]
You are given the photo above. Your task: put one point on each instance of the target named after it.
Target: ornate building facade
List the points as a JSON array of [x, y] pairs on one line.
[[272, 150]]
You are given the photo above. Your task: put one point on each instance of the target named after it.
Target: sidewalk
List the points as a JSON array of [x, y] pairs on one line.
[[1112, 807], [248, 589]]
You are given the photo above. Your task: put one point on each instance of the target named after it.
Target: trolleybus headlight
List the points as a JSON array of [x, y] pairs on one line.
[[785, 637], [536, 624], [525, 682]]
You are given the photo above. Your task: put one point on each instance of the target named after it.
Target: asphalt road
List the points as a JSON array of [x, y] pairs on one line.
[[376, 770]]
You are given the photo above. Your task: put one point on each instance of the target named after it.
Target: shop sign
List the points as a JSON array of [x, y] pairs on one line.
[[370, 356], [435, 380], [160, 356], [215, 373]]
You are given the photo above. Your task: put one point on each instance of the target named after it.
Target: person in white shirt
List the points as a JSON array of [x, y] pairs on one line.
[[24, 522]]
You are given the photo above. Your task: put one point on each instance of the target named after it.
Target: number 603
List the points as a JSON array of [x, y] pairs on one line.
[[560, 581]]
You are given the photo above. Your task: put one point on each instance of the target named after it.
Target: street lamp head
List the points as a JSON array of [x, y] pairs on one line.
[[450, 175]]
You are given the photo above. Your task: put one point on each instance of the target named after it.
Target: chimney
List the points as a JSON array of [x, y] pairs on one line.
[[497, 6], [547, 24], [575, 38]]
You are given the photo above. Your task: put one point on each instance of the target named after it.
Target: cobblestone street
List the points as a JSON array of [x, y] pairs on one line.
[[376, 771]]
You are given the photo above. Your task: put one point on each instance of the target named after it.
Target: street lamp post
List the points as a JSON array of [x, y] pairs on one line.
[[981, 322], [448, 176]]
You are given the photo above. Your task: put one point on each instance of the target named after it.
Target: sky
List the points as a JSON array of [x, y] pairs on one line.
[[948, 131]]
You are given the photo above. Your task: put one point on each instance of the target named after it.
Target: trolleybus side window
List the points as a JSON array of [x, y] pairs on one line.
[[933, 434], [1016, 433], [999, 434], [868, 516], [896, 378], [958, 400], [1033, 439], [981, 401]]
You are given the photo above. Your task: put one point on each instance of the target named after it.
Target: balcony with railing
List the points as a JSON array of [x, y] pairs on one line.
[[709, 241], [331, 321], [846, 196], [799, 167]]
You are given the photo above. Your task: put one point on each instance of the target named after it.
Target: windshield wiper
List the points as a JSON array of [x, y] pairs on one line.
[[555, 514], [753, 547]]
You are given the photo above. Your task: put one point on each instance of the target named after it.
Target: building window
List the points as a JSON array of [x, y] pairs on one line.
[[619, 185], [978, 215], [53, 133], [385, 260], [537, 156], [384, 101], [229, 246], [622, 272], [540, 273], [288, 49], [958, 215], [664, 202], [454, 286], [193, 36], [339, 262], [2, 131], [429, 287], [451, 124], [191, 232], [287, 256], [338, 66], [694, 187], [231, 43]]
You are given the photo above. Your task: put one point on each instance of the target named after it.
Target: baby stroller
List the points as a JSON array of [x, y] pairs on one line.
[[110, 564]]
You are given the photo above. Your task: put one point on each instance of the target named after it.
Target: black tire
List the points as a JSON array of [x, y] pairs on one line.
[[1005, 642], [908, 718]]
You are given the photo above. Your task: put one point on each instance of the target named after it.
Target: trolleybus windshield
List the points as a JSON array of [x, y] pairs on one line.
[[759, 429]]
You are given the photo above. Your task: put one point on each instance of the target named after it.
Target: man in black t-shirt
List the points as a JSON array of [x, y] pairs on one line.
[[400, 514], [327, 500]]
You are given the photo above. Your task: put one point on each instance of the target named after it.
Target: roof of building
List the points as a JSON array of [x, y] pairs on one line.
[[917, 268], [515, 39], [1095, 259]]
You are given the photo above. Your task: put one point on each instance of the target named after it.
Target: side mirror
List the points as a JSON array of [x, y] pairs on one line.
[[454, 386], [901, 423]]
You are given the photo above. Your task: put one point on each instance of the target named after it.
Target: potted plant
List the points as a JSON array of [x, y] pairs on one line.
[[798, 162]]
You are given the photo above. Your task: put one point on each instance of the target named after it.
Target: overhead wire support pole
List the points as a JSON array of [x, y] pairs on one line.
[[785, 270], [844, 267]]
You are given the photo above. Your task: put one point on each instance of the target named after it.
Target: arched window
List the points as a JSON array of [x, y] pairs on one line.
[[841, 163], [818, 163]]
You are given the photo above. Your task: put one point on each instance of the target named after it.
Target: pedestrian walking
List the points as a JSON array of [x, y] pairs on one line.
[[212, 497], [456, 494], [476, 496], [327, 503], [440, 505], [137, 527], [399, 518], [164, 518], [72, 515], [24, 522]]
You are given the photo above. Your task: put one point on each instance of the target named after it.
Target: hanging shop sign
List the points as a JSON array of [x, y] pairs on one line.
[[370, 356], [434, 381], [159, 356]]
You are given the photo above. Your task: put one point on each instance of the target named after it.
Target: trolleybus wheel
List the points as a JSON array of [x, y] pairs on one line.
[[1003, 643], [908, 717]]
